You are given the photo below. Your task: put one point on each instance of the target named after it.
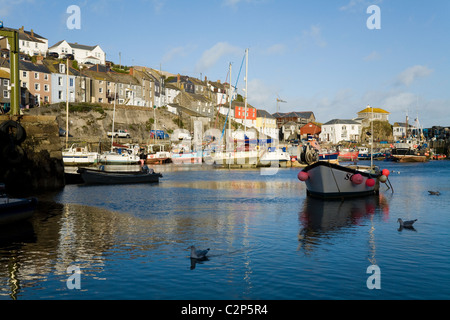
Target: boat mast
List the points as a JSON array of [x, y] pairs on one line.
[[246, 92], [114, 115], [371, 141]]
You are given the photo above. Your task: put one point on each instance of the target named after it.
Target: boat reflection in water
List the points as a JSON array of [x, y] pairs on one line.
[[320, 218]]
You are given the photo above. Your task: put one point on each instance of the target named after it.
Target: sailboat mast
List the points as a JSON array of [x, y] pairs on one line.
[[230, 97], [246, 92], [114, 116], [371, 141]]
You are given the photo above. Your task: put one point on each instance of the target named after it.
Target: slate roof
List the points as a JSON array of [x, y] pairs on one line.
[[340, 121]]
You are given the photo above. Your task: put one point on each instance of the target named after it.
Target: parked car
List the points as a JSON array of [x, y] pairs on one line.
[[119, 134]]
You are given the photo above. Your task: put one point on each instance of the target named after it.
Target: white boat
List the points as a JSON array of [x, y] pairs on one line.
[[187, 157], [119, 156], [157, 157], [76, 155], [329, 180], [274, 155]]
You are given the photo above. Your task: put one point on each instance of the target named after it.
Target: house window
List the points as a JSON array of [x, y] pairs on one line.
[[36, 75], [100, 90], [5, 82], [71, 82], [100, 100], [46, 99], [46, 88], [5, 94], [24, 73], [60, 95], [45, 76], [60, 81], [37, 87], [24, 84]]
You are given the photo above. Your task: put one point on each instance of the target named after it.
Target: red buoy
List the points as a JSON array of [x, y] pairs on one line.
[[357, 178], [370, 182], [303, 176], [385, 172]]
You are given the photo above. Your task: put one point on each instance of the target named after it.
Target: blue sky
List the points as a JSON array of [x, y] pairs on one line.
[[316, 55]]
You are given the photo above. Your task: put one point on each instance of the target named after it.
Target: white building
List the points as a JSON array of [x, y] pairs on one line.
[[30, 42], [337, 130], [82, 53]]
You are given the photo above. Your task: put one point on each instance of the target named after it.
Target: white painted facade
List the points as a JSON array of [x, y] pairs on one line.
[[337, 130], [82, 53]]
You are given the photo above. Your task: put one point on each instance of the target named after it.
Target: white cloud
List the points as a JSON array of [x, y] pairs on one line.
[[372, 56], [276, 49], [411, 74], [314, 34], [6, 6], [261, 95], [210, 57], [176, 53]]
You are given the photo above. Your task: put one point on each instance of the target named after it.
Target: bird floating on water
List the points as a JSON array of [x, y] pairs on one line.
[[406, 224], [198, 254], [434, 193]]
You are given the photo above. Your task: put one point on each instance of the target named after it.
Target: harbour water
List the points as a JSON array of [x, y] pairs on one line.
[[267, 240]]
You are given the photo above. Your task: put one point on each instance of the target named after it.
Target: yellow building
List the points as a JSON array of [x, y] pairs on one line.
[[373, 113], [266, 124]]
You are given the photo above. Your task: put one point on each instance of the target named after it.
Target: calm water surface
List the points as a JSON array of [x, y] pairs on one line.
[[267, 239]]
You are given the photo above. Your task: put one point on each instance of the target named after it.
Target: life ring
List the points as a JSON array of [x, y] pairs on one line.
[[18, 135], [13, 154]]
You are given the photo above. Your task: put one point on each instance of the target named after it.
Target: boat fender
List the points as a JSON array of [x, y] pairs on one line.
[[382, 178], [370, 182], [357, 178], [303, 176], [17, 133]]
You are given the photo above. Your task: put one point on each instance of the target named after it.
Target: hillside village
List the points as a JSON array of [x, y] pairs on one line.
[[80, 73]]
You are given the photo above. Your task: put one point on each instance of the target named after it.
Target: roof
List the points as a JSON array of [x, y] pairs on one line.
[[27, 35], [264, 114], [294, 114], [375, 110], [76, 46], [4, 74], [340, 121]]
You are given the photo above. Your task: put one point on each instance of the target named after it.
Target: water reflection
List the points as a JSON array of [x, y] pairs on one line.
[[321, 218]]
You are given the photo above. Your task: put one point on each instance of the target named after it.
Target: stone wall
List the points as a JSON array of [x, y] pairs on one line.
[[34, 165]]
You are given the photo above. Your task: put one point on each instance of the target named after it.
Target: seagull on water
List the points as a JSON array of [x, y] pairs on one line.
[[198, 254], [434, 193], [406, 224]]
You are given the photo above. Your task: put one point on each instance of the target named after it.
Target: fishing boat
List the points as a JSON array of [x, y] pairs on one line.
[[14, 210], [157, 157], [348, 155], [99, 176], [329, 180], [77, 155], [407, 152], [327, 155]]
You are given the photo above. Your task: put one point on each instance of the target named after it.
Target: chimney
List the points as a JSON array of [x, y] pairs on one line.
[[131, 71], [21, 29], [218, 81], [32, 32], [206, 79], [178, 80]]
